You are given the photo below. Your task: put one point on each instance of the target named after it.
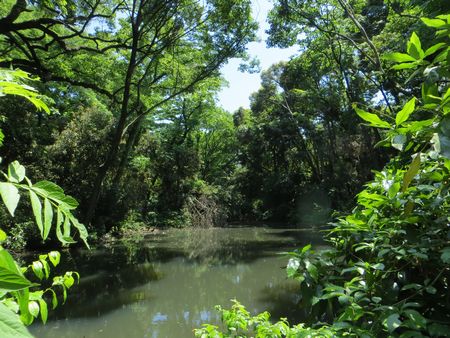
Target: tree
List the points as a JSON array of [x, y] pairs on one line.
[[150, 53]]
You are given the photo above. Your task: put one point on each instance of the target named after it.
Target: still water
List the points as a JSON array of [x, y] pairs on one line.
[[167, 284]]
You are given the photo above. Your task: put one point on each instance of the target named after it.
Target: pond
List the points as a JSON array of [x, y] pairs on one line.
[[168, 284]]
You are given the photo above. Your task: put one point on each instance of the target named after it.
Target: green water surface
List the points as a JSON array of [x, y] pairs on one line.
[[167, 284]]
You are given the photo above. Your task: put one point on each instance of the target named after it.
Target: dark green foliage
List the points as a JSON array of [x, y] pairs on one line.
[[386, 273]]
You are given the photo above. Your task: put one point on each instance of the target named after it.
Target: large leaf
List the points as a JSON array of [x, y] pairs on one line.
[[10, 196], [37, 211], [11, 278], [56, 193], [10, 324], [48, 217], [399, 57], [433, 49], [373, 119], [406, 111], [435, 23]]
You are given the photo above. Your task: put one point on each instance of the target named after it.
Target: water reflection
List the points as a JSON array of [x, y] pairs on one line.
[[167, 285]]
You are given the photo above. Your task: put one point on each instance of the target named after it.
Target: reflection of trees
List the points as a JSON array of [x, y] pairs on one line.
[[169, 284]]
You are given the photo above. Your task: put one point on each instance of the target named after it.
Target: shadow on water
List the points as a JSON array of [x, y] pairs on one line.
[[212, 259]]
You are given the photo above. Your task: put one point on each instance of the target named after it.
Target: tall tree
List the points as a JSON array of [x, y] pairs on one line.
[[137, 54]]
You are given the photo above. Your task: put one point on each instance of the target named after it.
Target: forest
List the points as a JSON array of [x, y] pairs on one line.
[[111, 128]]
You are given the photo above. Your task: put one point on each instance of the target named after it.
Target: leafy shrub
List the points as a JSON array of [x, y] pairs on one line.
[[18, 293], [388, 270]]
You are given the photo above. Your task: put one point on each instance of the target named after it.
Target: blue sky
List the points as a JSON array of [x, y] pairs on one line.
[[241, 85]]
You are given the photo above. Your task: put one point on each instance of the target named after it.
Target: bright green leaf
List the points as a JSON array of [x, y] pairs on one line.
[[373, 119], [404, 66], [43, 310], [54, 257], [10, 324], [435, 23], [2, 236], [10, 196], [433, 49], [37, 268], [33, 307], [11, 278], [398, 57], [16, 172], [406, 111], [48, 217], [37, 211]]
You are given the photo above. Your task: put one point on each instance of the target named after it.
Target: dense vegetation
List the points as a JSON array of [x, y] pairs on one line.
[[134, 133]]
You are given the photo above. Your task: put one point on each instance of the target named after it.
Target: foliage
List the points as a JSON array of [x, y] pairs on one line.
[[138, 58], [18, 294], [239, 323], [387, 271]]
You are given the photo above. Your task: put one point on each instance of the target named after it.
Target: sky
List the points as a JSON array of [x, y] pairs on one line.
[[241, 85]]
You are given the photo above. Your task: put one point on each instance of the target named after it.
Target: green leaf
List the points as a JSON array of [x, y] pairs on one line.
[[11, 278], [16, 172], [373, 119], [33, 307], [416, 318], [59, 220], [429, 91], [48, 217], [10, 324], [406, 111], [306, 248], [68, 281], [312, 269], [23, 297], [81, 229], [398, 57], [56, 193], [292, 267], [392, 322], [398, 141], [54, 257], [10, 196], [54, 299], [404, 66], [46, 267], [435, 23], [445, 256], [37, 268], [414, 47], [37, 211], [433, 49], [2, 236], [411, 172], [378, 266], [431, 290], [44, 310]]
